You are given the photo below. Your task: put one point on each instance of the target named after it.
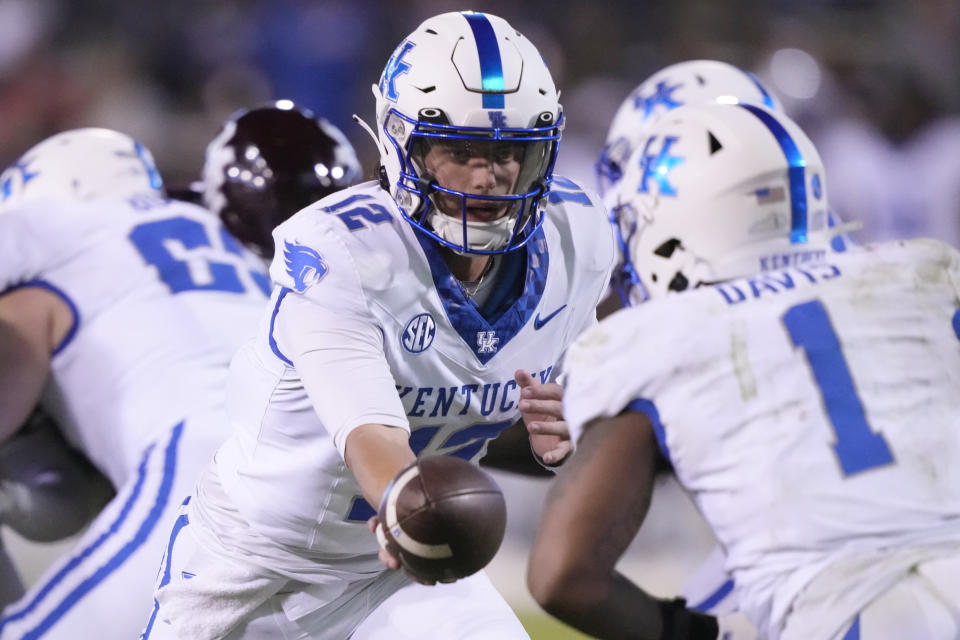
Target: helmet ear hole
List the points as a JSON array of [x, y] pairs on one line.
[[679, 282], [666, 249]]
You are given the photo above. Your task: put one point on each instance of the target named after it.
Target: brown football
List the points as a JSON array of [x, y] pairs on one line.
[[443, 518]]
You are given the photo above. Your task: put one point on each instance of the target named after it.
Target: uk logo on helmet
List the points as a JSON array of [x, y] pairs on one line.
[[6, 187], [497, 119], [304, 265], [418, 335], [658, 166], [662, 96], [396, 66]]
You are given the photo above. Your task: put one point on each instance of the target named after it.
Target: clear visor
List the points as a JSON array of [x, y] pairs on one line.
[[494, 175]]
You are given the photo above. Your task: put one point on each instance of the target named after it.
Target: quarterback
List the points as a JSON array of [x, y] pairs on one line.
[[418, 314], [806, 399]]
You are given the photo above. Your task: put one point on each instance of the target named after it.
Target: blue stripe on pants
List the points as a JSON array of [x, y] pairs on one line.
[[182, 521], [163, 496]]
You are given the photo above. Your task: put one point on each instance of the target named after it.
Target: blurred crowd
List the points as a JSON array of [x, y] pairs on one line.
[[875, 82]]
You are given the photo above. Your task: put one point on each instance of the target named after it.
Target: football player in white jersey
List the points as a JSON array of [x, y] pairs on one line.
[[416, 315], [682, 83], [689, 82], [806, 398], [710, 588], [127, 307]]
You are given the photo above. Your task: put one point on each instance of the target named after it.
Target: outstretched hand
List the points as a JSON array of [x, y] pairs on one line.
[[541, 406]]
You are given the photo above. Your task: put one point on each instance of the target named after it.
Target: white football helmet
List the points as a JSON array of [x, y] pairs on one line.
[[691, 82], [79, 165], [720, 191], [469, 87]]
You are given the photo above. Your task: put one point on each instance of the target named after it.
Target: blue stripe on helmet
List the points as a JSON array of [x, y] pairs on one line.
[[796, 173], [491, 68], [767, 98], [156, 182]]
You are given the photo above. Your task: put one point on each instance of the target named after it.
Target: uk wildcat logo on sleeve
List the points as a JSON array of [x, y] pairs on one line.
[[304, 265]]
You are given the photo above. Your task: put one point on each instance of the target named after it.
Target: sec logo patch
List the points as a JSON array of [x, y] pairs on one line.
[[418, 335]]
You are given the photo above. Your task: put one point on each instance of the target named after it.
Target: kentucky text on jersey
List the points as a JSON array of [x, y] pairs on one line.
[[793, 259], [772, 283], [442, 398]]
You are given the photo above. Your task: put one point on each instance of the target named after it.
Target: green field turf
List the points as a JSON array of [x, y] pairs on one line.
[[541, 626]]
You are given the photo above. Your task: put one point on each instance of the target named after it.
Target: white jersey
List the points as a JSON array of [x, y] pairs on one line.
[[813, 414], [161, 296], [368, 325]]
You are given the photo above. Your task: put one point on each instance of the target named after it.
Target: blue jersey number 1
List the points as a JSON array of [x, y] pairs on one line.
[[858, 447]]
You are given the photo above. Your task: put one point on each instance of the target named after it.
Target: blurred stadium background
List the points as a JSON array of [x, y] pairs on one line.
[[876, 83]]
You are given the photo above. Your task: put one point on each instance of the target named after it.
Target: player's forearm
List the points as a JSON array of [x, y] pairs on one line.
[[375, 453], [605, 607], [23, 373], [611, 606]]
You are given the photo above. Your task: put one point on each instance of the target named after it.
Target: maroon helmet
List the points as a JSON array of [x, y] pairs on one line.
[[268, 163]]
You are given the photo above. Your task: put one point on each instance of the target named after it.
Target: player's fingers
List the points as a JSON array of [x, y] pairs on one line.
[[548, 391], [552, 408], [523, 378], [389, 561], [372, 523], [550, 428], [557, 454]]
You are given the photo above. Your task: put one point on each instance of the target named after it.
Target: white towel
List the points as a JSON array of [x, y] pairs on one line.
[[215, 599]]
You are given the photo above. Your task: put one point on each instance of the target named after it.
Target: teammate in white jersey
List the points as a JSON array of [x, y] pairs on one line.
[[806, 399], [710, 588], [684, 83], [132, 305], [409, 317]]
